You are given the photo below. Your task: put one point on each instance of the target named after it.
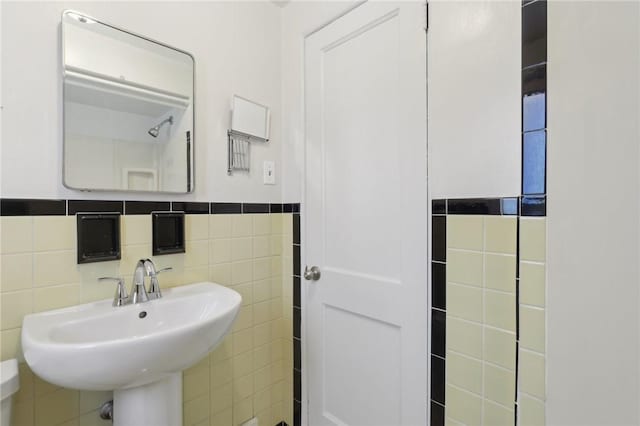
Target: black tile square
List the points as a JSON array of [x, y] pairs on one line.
[[296, 291], [488, 206], [256, 208], [437, 414], [534, 103], [533, 206], [291, 207], [297, 385], [226, 208], [297, 354], [189, 207], [297, 317], [439, 285], [534, 162], [297, 413], [296, 260], [517, 321], [146, 207], [296, 228], [32, 207], [438, 332], [275, 208], [439, 207], [534, 33], [439, 238], [437, 379], [95, 206]]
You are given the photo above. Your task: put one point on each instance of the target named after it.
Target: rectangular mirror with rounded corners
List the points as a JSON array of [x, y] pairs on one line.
[[128, 110]]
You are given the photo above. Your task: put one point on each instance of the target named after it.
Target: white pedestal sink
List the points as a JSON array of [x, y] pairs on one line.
[[138, 351]]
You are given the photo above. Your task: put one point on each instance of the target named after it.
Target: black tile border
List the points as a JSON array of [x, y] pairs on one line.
[[297, 413], [437, 414], [439, 285], [534, 205], [526, 205], [94, 206], [189, 207], [485, 206], [438, 333], [438, 314], [534, 33], [506, 206], [297, 312], [296, 292], [256, 208], [32, 207], [291, 208], [296, 260], [297, 317], [226, 208], [439, 207], [63, 207], [146, 207], [439, 238], [438, 379]]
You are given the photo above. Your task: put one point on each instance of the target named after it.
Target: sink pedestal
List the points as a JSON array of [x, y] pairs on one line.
[[156, 404]]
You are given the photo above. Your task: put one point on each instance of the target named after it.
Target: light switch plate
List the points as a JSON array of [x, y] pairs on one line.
[[269, 173]]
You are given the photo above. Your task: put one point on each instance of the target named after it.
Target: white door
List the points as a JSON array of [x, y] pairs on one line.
[[366, 217]]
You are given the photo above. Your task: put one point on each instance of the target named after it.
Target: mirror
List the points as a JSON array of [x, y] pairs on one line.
[[128, 110]]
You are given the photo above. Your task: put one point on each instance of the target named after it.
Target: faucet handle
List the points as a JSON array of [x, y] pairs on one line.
[[121, 297], [154, 286]]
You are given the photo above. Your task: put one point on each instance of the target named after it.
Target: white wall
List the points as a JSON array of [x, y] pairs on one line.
[[474, 98], [237, 50], [593, 213]]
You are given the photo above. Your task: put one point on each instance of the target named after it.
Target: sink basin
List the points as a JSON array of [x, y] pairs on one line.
[[96, 346]]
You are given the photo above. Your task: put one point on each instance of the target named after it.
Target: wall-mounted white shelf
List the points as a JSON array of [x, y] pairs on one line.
[[250, 122]]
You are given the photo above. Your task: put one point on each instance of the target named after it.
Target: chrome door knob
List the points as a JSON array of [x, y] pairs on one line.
[[312, 274]]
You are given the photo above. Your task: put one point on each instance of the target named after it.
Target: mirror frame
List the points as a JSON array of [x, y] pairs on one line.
[[191, 167]]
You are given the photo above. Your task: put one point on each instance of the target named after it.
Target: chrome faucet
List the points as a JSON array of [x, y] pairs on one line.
[[138, 293]]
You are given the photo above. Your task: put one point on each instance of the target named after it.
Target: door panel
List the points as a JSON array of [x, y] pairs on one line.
[[344, 387], [366, 217]]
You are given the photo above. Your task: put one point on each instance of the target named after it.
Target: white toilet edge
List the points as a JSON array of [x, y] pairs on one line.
[[9, 378]]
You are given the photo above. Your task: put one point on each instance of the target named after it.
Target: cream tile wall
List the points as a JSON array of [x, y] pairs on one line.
[[248, 375], [532, 347], [481, 319]]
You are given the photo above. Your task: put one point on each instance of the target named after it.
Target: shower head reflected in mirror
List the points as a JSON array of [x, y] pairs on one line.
[[155, 131]]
